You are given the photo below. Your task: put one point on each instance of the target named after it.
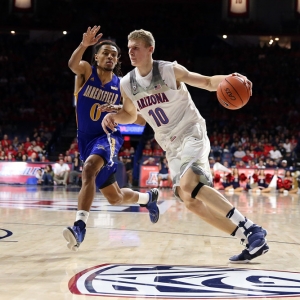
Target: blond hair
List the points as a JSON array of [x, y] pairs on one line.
[[144, 35]]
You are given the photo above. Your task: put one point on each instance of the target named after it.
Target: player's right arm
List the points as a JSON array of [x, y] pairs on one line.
[[80, 67]]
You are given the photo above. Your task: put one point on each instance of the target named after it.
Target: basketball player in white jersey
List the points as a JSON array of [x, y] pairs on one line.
[[157, 90]]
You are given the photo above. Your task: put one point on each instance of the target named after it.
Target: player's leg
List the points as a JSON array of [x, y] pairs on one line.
[[210, 216], [192, 182], [196, 180], [75, 234], [120, 196]]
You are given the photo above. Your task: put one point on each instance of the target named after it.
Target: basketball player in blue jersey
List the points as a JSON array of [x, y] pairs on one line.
[[157, 89], [97, 85]]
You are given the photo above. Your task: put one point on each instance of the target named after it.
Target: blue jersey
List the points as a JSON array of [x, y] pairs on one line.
[[88, 100], [92, 140]]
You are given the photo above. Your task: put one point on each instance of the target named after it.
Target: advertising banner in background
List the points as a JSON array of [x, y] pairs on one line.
[[19, 172], [148, 174]]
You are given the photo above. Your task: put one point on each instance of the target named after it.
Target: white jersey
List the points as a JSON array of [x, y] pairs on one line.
[[167, 109]]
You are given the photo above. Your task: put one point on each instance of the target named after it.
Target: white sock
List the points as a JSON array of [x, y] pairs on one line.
[[143, 198], [82, 215], [239, 233], [236, 217]]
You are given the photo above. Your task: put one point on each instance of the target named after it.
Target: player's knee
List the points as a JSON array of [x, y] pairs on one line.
[[190, 204], [115, 199], [187, 186], [89, 171]]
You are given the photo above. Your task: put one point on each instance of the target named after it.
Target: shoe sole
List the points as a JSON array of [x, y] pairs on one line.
[[246, 261], [70, 238]]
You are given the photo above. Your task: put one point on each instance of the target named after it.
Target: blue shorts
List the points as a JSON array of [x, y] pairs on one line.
[[106, 146]]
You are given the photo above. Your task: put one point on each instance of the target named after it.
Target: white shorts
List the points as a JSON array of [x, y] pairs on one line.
[[191, 145], [163, 176]]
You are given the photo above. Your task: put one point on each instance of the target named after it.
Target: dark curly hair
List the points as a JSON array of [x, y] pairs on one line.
[[96, 48]]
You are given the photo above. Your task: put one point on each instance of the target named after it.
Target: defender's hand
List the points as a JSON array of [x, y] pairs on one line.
[[109, 108], [89, 38], [108, 122]]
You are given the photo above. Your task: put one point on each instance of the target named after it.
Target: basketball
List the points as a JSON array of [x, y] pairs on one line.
[[233, 92]]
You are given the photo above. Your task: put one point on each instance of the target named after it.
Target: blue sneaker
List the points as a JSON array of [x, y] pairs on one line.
[[152, 205], [74, 235], [256, 238], [245, 256]]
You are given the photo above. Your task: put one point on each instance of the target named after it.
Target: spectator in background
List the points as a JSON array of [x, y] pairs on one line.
[[150, 161], [211, 161], [267, 147], [19, 156], [40, 143], [61, 172], [234, 147], [44, 159], [47, 134], [126, 159], [11, 151], [289, 158], [157, 151], [15, 143], [281, 148], [39, 176], [10, 157], [36, 148], [76, 172], [293, 142], [217, 150], [163, 172], [258, 150], [33, 158], [5, 142], [261, 164], [248, 157], [283, 164], [24, 157], [270, 164], [48, 175], [240, 153], [147, 151], [240, 165], [275, 154], [27, 143]]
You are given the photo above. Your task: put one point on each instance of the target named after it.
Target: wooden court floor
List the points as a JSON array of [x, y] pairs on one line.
[[124, 256]]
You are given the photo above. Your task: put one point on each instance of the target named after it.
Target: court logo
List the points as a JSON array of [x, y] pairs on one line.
[[184, 282], [4, 233], [152, 179]]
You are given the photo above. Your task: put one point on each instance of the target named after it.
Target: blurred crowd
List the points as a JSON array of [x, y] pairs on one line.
[[36, 102]]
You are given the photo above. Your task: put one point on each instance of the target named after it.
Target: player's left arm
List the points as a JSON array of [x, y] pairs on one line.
[[209, 83]]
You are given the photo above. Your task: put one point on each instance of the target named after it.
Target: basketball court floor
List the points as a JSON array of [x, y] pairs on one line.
[[125, 256]]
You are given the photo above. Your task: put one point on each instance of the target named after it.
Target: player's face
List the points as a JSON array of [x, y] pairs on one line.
[[138, 52], [107, 57]]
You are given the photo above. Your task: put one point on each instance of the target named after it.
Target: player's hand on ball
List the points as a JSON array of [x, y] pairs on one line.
[[108, 123], [248, 82]]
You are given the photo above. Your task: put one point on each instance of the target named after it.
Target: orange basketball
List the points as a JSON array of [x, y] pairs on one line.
[[233, 92]]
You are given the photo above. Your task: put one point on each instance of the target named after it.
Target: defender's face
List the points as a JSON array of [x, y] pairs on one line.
[[138, 52], [107, 57]]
